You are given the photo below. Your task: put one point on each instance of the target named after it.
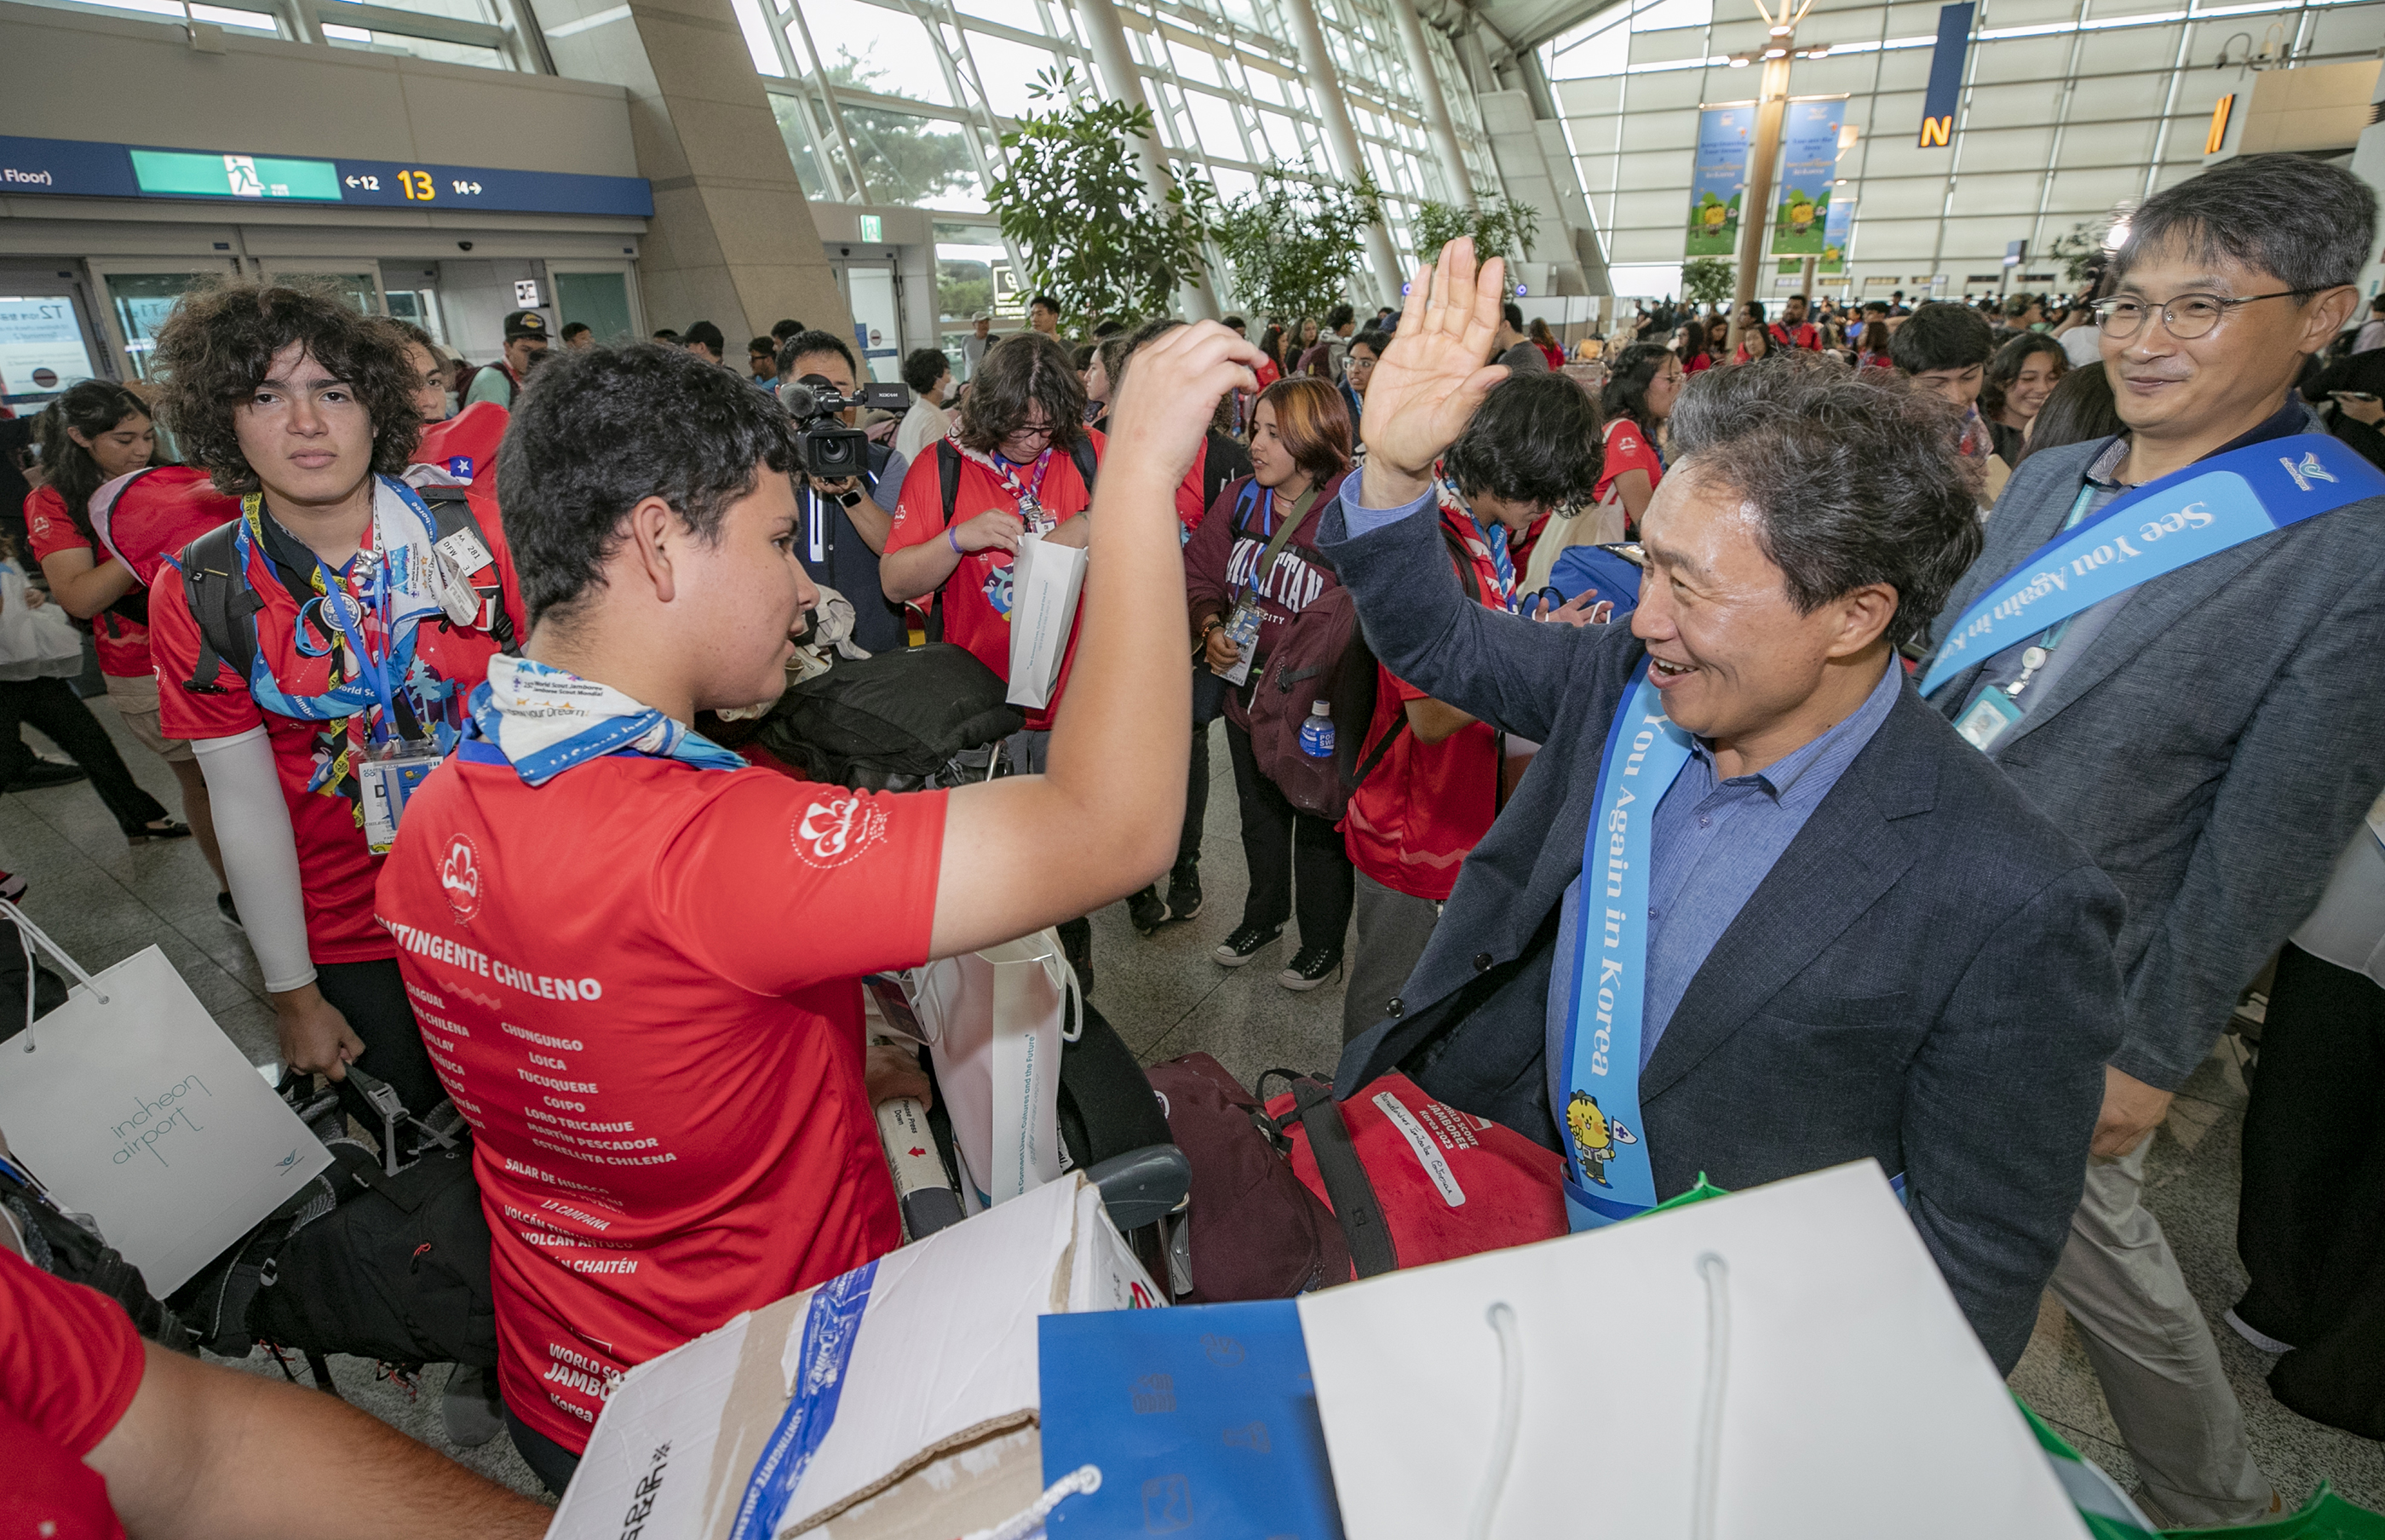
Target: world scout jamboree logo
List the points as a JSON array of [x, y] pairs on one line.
[[832, 832], [459, 877]]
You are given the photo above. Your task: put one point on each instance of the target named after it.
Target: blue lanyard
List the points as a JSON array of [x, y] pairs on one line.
[[1608, 1173], [2212, 505], [339, 607]]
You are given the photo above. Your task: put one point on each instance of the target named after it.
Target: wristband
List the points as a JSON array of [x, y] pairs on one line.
[[953, 544]]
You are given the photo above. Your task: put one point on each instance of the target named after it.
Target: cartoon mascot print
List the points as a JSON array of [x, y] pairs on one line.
[[1594, 1136]]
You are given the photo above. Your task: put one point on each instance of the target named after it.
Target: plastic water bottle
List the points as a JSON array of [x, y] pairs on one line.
[[1316, 732]]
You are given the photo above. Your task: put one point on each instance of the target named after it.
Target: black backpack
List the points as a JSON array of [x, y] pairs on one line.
[[889, 721], [225, 605], [63, 1248]]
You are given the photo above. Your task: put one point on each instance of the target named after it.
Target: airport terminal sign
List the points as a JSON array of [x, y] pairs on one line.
[[76, 168]]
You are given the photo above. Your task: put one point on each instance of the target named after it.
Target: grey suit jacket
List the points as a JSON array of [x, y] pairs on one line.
[[2213, 748], [1925, 976]]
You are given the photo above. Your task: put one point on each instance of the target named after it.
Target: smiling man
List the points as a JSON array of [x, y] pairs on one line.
[[2204, 714], [1758, 964]]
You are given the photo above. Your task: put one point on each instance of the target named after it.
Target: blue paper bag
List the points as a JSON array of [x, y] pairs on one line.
[[1202, 1420]]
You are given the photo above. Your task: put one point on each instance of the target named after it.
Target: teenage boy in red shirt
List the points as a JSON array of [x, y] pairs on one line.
[[637, 960], [304, 410]]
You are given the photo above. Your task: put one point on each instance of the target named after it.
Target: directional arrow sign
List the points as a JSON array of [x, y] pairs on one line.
[[350, 181]]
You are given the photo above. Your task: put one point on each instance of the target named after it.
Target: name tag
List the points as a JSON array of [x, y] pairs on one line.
[[464, 548], [1989, 718], [387, 778]]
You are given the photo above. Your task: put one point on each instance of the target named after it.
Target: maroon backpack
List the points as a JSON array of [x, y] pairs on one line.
[[1255, 1231]]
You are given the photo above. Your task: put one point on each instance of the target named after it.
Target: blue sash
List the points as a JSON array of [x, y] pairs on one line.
[[1608, 1173], [2210, 506]]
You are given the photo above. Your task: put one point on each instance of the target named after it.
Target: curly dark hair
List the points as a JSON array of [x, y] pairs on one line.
[[1026, 367], [218, 345], [1535, 439], [609, 427], [1855, 477]]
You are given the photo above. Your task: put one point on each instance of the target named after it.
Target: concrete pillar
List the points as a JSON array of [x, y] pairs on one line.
[[1123, 82], [1755, 209], [1325, 83], [732, 240], [1437, 121]]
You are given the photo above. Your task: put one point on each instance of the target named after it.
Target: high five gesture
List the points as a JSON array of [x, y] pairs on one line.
[[1433, 376]]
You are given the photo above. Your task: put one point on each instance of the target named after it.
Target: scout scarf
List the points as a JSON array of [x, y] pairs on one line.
[[1025, 494], [2212, 505], [1493, 541], [364, 617], [542, 720], [1608, 1174]]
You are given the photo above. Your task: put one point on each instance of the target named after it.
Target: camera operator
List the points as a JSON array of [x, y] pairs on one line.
[[844, 521]]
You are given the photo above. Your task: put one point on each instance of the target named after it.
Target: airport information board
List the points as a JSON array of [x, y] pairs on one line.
[[77, 168]]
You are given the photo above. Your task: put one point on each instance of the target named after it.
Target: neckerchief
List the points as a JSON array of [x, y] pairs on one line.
[[1494, 540], [542, 720], [364, 617], [1025, 494]]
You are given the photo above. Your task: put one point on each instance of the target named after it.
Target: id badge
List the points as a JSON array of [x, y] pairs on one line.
[[1242, 630], [1989, 718], [388, 777]]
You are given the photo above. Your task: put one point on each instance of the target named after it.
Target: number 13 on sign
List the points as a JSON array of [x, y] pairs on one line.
[[417, 186]]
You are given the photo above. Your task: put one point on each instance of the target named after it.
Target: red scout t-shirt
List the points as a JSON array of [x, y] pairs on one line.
[[640, 982], [49, 529], [976, 596], [70, 1367], [464, 446], [1626, 449], [335, 867], [1424, 805]]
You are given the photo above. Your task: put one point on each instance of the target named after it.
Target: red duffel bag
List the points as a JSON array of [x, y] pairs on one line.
[[1414, 1180], [1303, 1192]]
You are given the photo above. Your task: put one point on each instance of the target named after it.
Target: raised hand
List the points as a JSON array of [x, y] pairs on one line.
[[1432, 377], [1164, 405]]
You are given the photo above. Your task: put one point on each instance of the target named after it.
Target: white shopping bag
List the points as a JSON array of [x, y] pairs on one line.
[[1044, 583], [35, 643], [911, 1381], [1786, 1362], [132, 1106], [993, 1021]]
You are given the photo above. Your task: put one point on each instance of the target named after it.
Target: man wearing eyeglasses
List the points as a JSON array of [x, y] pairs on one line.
[[2203, 714]]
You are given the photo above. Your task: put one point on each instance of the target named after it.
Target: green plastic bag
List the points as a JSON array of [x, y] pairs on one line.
[[2325, 1517]]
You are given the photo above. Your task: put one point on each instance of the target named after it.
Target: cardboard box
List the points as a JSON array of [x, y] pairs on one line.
[[915, 1419]]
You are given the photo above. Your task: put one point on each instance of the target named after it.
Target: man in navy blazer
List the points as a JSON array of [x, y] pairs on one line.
[[1859, 939]]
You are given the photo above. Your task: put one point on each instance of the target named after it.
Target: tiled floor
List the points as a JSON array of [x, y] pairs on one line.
[[103, 901]]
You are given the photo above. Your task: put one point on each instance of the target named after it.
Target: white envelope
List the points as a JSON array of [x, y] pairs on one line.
[[140, 1113], [1853, 1397], [945, 1360]]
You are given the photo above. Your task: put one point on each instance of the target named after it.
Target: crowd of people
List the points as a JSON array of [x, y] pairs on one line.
[[1930, 858]]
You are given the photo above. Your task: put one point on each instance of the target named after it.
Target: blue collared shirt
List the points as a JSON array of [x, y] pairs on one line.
[[1711, 845]]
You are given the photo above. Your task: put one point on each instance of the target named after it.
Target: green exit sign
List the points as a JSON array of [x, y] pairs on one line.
[[873, 228]]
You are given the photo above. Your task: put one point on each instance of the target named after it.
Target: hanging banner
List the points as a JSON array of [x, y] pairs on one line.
[[1718, 181], [1946, 75], [1834, 235], [1809, 144]]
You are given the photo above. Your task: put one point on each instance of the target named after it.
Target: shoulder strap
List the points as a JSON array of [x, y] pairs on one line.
[[451, 509], [1087, 461], [223, 603], [1347, 1187], [948, 471]]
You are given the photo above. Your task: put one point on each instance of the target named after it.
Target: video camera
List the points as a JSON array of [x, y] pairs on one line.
[[828, 448]]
